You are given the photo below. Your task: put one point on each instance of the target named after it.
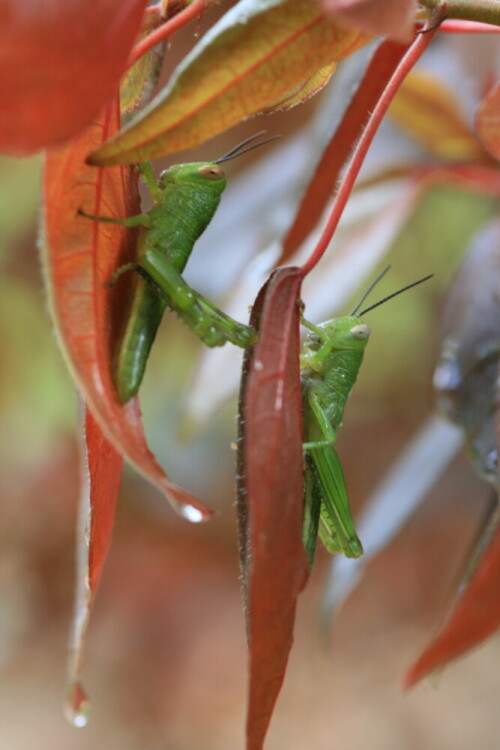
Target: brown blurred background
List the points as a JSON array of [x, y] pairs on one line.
[[166, 658]]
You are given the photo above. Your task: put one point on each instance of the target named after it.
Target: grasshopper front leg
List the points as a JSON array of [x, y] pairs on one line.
[[130, 222], [328, 433], [139, 220], [315, 358]]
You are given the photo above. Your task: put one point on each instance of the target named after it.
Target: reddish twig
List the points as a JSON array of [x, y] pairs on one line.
[[167, 29], [469, 27], [405, 66]]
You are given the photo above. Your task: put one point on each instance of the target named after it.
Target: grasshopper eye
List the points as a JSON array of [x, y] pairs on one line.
[[361, 331], [211, 172]]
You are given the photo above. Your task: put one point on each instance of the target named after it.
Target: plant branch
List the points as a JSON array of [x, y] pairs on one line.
[[405, 66], [487, 11], [468, 27], [167, 29]]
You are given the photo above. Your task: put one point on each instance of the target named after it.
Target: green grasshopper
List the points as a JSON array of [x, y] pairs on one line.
[[330, 362], [186, 198]]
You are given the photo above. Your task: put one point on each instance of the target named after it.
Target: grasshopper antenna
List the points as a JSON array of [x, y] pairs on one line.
[[370, 288], [239, 149], [395, 294]]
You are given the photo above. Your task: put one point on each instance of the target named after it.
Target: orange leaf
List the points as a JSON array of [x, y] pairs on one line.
[[80, 257], [60, 62], [270, 503], [487, 121], [102, 472], [475, 616], [257, 55], [305, 91], [429, 112]]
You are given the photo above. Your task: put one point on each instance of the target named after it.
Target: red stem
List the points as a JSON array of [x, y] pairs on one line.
[[167, 29], [407, 63], [469, 27]]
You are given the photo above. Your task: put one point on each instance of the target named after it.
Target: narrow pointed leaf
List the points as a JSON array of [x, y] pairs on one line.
[[475, 616], [80, 257], [102, 471], [326, 174], [270, 505], [488, 120], [259, 53], [430, 113], [60, 62]]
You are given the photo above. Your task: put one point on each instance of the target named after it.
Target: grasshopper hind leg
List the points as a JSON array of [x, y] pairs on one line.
[[312, 510], [209, 323], [336, 527]]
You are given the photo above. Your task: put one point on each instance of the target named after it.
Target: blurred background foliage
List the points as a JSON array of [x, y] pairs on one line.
[[166, 652]]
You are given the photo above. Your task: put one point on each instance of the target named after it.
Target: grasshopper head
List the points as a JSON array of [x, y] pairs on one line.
[[207, 176], [347, 333]]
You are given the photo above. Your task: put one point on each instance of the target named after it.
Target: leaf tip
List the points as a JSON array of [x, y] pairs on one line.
[[195, 515], [93, 159], [100, 157], [187, 506], [77, 705]]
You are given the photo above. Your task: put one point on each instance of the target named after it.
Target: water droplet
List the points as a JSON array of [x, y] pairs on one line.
[[190, 513], [447, 376], [492, 461], [77, 706]]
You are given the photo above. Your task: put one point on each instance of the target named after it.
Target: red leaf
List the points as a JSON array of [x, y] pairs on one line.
[[475, 616], [270, 494], [60, 62], [102, 475], [326, 175], [80, 257]]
